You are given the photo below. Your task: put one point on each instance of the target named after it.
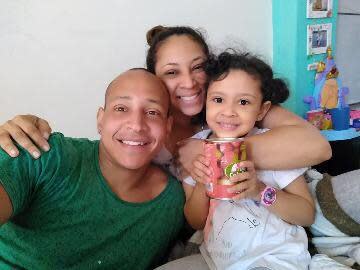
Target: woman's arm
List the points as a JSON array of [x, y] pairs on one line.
[[290, 143], [29, 131]]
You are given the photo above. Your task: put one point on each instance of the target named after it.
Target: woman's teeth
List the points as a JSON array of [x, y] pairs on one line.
[[188, 98]]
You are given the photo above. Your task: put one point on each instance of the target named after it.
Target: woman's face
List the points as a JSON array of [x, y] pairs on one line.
[[180, 65]]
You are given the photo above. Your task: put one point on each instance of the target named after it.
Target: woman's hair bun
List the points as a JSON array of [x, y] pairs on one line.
[[153, 32]]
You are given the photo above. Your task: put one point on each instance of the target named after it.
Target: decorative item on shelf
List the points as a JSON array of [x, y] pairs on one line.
[[319, 8], [355, 119], [329, 111], [319, 118]]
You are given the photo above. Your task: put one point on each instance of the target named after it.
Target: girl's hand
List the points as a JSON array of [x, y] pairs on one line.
[[246, 183], [28, 131], [201, 171]]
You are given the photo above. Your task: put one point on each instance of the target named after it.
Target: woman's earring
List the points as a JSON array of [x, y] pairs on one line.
[[99, 131]]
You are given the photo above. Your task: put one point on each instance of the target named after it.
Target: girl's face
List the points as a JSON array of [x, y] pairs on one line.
[[180, 65], [234, 104]]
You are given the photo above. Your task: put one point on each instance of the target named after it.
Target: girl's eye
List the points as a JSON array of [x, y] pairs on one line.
[[217, 100], [244, 102]]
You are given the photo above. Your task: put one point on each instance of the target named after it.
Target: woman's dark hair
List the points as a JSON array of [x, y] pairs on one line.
[[273, 89], [158, 34]]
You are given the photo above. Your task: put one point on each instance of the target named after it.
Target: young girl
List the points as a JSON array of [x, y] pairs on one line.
[[254, 230]]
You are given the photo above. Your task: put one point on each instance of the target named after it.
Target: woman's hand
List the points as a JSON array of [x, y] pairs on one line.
[[246, 184], [188, 150], [29, 131]]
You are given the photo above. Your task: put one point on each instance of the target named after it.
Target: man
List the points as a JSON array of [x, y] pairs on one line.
[[95, 204]]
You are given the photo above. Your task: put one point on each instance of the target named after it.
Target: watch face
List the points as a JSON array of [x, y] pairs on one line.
[[269, 196]]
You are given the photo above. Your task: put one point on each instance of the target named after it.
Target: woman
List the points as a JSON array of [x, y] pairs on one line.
[[177, 55]]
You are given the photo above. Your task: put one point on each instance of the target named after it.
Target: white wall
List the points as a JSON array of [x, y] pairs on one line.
[[57, 57]]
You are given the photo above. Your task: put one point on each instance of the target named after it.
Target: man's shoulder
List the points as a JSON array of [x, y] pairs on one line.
[[57, 138], [67, 151]]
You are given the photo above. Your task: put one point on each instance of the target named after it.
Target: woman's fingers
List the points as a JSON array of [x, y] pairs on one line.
[[44, 128], [18, 135], [37, 129], [7, 144], [28, 131]]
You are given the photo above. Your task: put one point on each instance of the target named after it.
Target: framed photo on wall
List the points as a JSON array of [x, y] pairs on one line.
[[318, 38], [319, 8]]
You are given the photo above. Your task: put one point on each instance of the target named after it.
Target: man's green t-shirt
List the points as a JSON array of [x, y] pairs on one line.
[[66, 216]]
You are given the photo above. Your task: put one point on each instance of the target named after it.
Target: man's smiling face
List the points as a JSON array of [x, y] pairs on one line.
[[134, 123]]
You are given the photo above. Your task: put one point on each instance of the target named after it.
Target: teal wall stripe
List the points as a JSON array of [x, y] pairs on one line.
[[290, 59]]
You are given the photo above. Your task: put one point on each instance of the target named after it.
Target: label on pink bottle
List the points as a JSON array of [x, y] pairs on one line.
[[224, 155]]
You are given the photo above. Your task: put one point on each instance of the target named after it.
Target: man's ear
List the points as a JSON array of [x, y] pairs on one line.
[[265, 107], [99, 119]]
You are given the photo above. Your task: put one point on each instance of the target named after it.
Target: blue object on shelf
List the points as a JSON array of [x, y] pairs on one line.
[[339, 135], [355, 123], [340, 118]]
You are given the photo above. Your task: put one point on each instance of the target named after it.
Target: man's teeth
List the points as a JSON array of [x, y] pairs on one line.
[[134, 143]]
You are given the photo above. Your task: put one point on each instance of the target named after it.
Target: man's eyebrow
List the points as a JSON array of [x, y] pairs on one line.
[[121, 97], [152, 100]]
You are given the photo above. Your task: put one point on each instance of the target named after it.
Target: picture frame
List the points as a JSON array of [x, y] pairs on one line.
[[318, 38], [319, 8]]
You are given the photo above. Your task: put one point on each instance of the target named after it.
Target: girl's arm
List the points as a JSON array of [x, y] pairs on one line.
[[291, 143], [294, 204], [28, 131], [196, 207]]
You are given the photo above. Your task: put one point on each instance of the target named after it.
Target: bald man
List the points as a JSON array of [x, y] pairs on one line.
[[95, 204]]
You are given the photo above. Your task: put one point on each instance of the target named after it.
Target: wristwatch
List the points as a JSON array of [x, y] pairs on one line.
[[268, 196]]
